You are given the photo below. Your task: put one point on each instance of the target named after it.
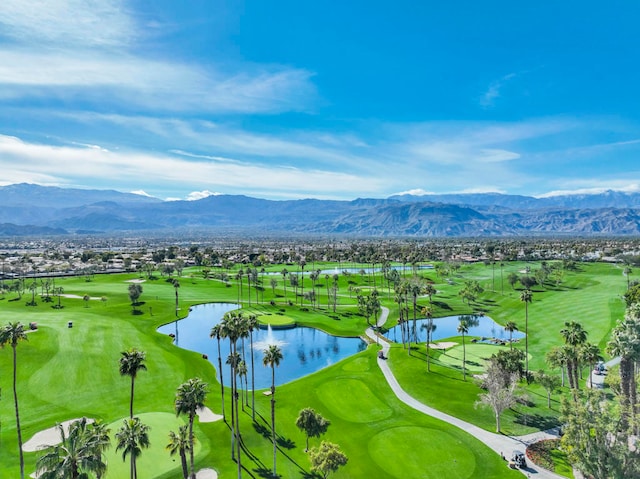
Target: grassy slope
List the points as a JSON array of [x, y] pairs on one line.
[[66, 373]]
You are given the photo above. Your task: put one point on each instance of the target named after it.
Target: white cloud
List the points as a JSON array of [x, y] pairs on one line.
[[103, 23], [615, 185], [89, 51], [64, 165], [415, 192], [198, 195]]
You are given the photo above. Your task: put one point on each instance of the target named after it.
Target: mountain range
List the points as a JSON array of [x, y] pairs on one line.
[[27, 209]]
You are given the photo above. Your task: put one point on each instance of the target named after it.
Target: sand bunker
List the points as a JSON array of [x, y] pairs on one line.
[[48, 437], [206, 474], [75, 296], [135, 281], [444, 345], [206, 415]]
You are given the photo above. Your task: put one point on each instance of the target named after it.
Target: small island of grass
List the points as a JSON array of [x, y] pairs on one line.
[[276, 321]]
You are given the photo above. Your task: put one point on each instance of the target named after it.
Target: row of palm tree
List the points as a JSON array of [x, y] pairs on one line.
[[625, 343], [237, 327]]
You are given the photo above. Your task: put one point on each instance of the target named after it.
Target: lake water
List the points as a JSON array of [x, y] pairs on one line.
[[447, 327], [304, 350]]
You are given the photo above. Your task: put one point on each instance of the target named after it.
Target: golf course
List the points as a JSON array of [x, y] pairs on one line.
[[68, 367]]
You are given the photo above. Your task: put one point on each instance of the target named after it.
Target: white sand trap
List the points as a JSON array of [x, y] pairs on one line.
[[75, 296], [48, 437], [207, 415], [135, 281], [206, 474], [444, 345]]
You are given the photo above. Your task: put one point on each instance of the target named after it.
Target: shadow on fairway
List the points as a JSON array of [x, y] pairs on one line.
[[537, 420]]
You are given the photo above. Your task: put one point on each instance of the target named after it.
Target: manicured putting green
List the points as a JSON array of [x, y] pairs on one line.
[[359, 365], [155, 458], [441, 454], [276, 320], [477, 355], [353, 401]]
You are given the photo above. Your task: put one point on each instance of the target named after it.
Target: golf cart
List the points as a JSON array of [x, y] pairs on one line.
[[518, 460]]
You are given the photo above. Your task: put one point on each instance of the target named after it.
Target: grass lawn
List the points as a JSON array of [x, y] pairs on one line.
[[64, 373]]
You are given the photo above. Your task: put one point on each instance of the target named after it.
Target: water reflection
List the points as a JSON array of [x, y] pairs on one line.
[[448, 326], [305, 350]]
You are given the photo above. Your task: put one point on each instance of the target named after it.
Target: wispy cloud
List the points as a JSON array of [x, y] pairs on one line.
[[494, 91], [90, 51], [100, 23], [64, 165]]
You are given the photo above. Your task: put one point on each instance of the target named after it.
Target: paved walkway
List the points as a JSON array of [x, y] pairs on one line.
[[499, 443]]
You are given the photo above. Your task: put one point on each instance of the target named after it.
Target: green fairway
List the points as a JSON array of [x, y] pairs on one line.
[[477, 355], [65, 373], [155, 458]]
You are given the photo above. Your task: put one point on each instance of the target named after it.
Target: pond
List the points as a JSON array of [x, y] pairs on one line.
[[304, 350], [447, 327]]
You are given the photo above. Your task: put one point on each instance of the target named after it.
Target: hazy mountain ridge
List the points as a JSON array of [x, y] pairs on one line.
[[30, 207]]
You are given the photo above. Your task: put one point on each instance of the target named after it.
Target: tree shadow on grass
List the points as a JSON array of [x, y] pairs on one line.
[[263, 430], [310, 475], [285, 442], [537, 420], [442, 305]]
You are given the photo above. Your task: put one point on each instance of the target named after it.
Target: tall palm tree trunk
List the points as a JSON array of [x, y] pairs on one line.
[[253, 382], [131, 399], [183, 462], [464, 359], [233, 412], [273, 415], [221, 379], [526, 337], [15, 402], [191, 444]]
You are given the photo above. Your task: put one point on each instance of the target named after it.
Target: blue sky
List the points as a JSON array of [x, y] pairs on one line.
[[299, 99]]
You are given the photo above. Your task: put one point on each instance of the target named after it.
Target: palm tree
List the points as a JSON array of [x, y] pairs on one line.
[[132, 437], [241, 368], [627, 273], [526, 297], [179, 444], [80, 452], [272, 357], [625, 343], [510, 327], [216, 332], [430, 327], [463, 328], [11, 334], [232, 327], [176, 286], [557, 358], [284, 273], [430, 290], [574, 337], [131, 362], [465, 322], [590, 354], [252, 324], [190, 397], [101, 441]]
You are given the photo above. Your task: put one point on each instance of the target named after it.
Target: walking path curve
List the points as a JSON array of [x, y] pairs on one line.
[[499, 443]]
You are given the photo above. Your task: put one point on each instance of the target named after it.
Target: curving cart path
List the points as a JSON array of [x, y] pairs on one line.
[[499, 443]]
